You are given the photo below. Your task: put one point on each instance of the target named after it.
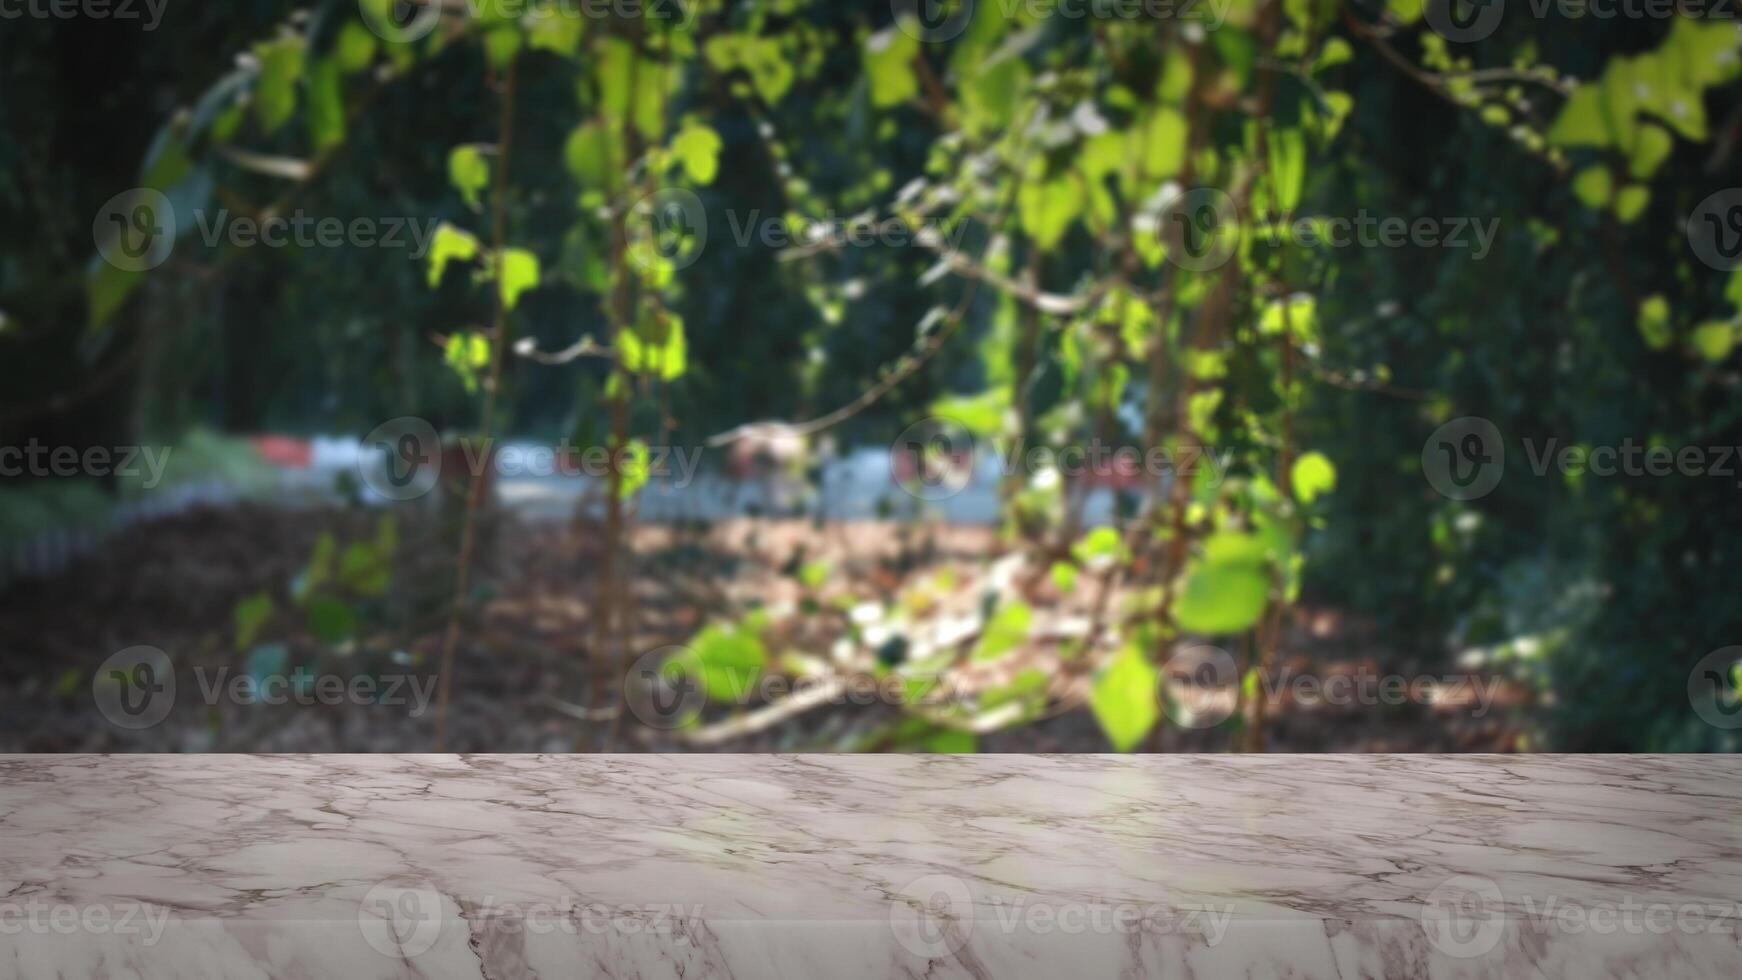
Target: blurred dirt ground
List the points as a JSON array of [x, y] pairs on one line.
[[521, 677]]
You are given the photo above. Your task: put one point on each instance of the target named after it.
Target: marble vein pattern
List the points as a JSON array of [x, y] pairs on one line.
[[724, 866]]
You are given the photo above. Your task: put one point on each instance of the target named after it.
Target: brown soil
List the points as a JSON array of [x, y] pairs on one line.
[[521, 681]]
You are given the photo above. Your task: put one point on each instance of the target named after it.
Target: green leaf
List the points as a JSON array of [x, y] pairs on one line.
[[1714, 340], [1123, 698], [981, 415], [635, 469], [730, 659], [990, 94], [889, 58], [949, 741], [1580, 122], [355, 48], [812, 575], [771, 72], [1631, 202], [1102, 542], [1406, 11], [1226, 590], [501, 44], [450, 244], [1654, 322], [666, 360], [1649, 152], [1619, 94], [551, 29], [281, 67], [1237, 548], [1594, 186], [1287, 167], [653, 83], [1222, 598], [697, 147], [1336, 51], [326, 106], [467, 352], [1312, 476], [1298, 313], [1703, 51], [364, 571], [519, 273], [1160, 143], [1064, 576], [1048, 209], [590, 158], [1007, 630], [469, 172], [251, 614], [331, 620], [620, 76]]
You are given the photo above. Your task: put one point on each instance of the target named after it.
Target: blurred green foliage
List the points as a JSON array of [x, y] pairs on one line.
[[1589, 321]]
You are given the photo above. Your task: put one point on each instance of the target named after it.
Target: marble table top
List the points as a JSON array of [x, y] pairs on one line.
[[870, 866]]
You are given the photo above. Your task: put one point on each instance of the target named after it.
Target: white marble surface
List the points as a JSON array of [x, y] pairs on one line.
[[870, 866]]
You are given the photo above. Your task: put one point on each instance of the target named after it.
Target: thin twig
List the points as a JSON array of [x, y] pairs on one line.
[[475, 490]]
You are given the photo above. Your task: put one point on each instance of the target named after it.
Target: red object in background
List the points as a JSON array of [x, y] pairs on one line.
[[296, 454]]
